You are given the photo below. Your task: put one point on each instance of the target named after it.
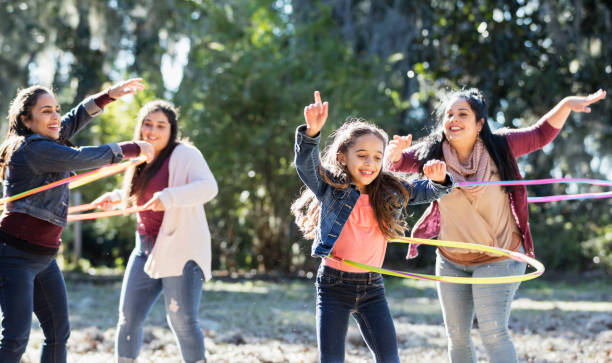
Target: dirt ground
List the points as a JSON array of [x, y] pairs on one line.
[[254, 320]]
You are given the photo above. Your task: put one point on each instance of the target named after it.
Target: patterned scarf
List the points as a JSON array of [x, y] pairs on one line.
[[477, 168]]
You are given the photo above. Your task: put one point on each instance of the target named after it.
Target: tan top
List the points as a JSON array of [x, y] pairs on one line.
[[484, 218]]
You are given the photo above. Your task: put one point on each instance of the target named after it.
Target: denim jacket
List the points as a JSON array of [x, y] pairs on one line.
[[40, 160], [336, 204]]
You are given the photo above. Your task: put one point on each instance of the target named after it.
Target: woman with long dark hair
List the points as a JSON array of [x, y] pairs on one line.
[[492, 215], [172, 253], [36, 152]]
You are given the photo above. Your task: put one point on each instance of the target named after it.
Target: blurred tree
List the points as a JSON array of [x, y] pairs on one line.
[[242, 71]]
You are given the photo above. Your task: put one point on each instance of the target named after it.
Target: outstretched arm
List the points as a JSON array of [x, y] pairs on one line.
[[529, 139], [559, 114], [78, 117]]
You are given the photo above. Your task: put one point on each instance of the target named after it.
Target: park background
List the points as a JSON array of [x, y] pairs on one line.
[[241, 72]]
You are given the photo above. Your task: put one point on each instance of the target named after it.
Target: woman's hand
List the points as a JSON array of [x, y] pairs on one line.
[[147, 150], [581, 103], [315, 115], [435, 170], [396, 146], [155, 204], [127, 87], [559, 114], [105, 201]]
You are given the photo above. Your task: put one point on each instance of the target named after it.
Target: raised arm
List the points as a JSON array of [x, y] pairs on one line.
[[77, 118], [559, 114], [529, 139], [307, 138]]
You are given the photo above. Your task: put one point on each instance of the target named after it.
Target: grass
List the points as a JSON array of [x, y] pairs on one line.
[[260, 320]]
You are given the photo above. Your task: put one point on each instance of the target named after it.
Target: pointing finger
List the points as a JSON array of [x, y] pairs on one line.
[[317, 97]]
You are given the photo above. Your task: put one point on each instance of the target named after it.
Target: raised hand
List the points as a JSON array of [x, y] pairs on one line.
[[127, 87], [581, 103], [147, 150], [435, 170], [315, 115], [396, 146]]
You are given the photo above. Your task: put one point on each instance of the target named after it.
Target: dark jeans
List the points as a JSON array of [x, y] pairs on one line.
[[181, 299], [32, 283], [340, 294]]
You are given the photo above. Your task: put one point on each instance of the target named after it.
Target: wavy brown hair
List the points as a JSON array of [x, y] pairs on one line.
[[137, 178], [386, 192]]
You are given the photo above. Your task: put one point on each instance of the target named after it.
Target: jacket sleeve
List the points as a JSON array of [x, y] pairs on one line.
[[47, 156], [426, 190], [78, 117], [201, 185], [307, 161], [529, 139]]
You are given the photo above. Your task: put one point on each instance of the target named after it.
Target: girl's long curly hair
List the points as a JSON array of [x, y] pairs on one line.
[[386, 192]]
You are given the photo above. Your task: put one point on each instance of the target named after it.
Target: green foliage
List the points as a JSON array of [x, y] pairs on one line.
[[600, 247], [252, 66]]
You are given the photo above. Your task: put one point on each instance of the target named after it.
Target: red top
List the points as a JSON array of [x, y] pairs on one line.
[[149, 221]]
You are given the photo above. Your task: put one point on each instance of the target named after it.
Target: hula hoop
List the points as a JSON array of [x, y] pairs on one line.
[[105, 171], [95, 215], [551, 198], [456, 279], [78, 180]]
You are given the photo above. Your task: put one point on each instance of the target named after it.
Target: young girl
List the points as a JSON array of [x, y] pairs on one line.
[[34, 153], [491, 215], [172, 252], [350, 209]]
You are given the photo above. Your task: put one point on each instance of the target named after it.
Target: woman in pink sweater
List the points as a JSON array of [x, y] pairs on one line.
[[172, 253], [491, 215]]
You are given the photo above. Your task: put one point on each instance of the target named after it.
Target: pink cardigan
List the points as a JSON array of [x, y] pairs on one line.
[[521, 141]]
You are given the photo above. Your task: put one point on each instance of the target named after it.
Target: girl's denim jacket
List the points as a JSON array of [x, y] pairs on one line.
[[40, 160], [336, 204]]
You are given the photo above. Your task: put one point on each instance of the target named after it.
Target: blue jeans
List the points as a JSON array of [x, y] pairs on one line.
[[340, 294], [491, 304], [32, 283], [181, 299]]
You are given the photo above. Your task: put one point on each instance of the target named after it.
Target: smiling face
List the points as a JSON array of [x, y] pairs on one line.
[[363, 159], [156, 130], [460, 125], [45, 117]]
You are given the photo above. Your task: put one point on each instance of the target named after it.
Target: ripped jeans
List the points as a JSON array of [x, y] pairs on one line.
[[490, 302], [181, 299]]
